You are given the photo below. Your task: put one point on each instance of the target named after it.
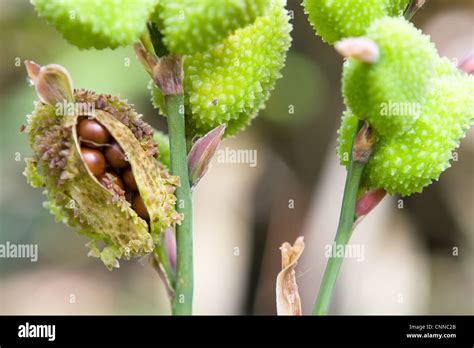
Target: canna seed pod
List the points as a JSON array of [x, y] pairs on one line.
[[97, 24], [229, 83], [335, 20], [408, 162], [97, 205], [389, 92], [191, 26]]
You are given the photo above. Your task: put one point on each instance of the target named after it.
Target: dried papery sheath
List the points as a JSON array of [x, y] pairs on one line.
[[52, 82], [287, 296], [91, 197], [147, 59], [414, 6], [168, 75]]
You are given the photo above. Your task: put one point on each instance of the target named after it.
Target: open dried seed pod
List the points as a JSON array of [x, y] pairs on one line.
[[95, 203]]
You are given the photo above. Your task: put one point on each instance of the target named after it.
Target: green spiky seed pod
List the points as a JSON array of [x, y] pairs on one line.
[[98, 24], [389, 92], [408, 162], [230, 83], [78, 199], [191, 26], [335, 20], [445, 67]]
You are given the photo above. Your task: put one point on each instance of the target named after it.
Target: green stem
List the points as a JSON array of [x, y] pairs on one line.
[[343, 234], [183, 300]]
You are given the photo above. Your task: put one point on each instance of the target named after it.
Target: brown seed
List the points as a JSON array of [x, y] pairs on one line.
[[115, 177], [115, 156], [129, 196], [91, 131], [129, 179], [139, 206], [94, 159]]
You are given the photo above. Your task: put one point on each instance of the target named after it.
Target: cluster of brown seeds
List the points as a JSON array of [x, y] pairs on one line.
[[108, 163]]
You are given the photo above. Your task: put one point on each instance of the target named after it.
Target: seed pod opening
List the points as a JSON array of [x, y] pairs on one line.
[[96, 203]]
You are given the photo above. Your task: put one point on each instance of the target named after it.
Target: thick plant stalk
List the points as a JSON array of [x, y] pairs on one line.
[[360, 153], [183, 300]]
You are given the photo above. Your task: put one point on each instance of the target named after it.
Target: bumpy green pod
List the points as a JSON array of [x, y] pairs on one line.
[[334, 20], [389, 93], [190, 26], [98, 24], [78, 199], [408, 162], [230, 83]]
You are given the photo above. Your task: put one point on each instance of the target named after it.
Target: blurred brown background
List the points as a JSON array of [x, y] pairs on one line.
[[242, 213]]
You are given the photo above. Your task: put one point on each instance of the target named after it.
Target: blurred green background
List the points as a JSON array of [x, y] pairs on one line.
[[242, 213]]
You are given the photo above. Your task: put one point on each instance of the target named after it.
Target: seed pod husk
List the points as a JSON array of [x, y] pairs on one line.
[[77, 198]]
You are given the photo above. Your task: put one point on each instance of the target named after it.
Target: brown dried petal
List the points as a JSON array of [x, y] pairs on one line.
[[287, 296]]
